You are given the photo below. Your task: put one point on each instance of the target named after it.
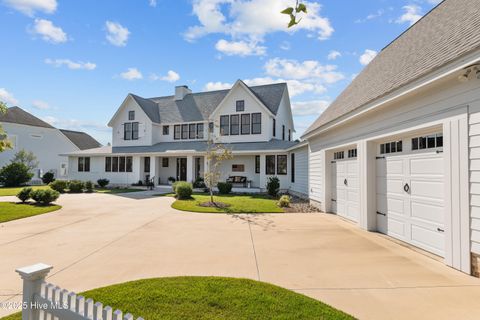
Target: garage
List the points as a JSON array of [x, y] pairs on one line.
[[410, 190], [345, 183]]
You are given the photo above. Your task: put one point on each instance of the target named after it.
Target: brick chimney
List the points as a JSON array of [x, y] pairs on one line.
[[181, 92]]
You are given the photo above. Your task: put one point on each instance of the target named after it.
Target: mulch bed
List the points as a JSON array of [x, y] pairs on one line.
[[299, 205]]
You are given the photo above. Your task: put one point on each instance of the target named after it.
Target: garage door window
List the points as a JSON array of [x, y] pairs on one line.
[[352, 153], [391, 147], [427, 142], [338, 155]]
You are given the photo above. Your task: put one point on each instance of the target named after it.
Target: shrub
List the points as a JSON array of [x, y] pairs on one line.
[[45, 197], [59, 185], [15, 174], [199, 183], [224, 187], [48, 177], [76, 186], [25, 194], [89, 186], [273, 185], [183, 190], [102, 183], [171, 179], [284, 201]]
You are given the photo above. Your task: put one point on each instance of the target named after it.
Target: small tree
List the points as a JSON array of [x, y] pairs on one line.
[[4, 142], [27, 158], [14, 175]]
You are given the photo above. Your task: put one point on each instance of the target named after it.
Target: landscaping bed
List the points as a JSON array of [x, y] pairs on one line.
[[13, 211], [209, 298]]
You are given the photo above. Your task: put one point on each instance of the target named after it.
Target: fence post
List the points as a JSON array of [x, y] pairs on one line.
[[33, 276]]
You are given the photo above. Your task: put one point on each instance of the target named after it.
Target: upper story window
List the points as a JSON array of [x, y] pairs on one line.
[[130, 131], [210, 127], [283, 132], [224, 125], [166, 130], [188, 131], [256, 123], [391, 147], [274, 127], [234, 124], [199, 130], [289, 135], [192, 131], [131, 115], [245, 123], [240, 106], [176, 132], [184, 131], [428, 142]]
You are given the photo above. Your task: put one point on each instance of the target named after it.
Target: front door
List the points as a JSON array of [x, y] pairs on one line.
[[181, 169]]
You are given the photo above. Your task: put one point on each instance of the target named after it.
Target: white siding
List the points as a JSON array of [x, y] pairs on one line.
[[248, 162], [316, 171], [301, 170], [474, 145], [283, 118]]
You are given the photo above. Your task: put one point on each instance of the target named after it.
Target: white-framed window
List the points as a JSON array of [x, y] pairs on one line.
[[338, 155], [352, 153], [391, 147], [427, 142]]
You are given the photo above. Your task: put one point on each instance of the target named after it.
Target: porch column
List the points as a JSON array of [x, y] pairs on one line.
[[205, 166], [263, 173], [136, 169], [189, 168], [153, 169]]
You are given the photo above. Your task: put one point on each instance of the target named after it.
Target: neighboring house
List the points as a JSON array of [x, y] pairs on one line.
[[164, 137], [28, 132], [398, 151]]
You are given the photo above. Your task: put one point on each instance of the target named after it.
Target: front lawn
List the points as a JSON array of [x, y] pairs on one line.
[[254, 203], [4, 191], [208, 298], [13, 211], [117, 190]]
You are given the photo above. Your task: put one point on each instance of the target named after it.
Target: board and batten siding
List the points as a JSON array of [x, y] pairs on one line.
[[474, 146], [316, 173], [301, 170]]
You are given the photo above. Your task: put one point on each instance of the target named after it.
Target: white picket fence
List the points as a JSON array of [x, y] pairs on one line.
[[45, 301]]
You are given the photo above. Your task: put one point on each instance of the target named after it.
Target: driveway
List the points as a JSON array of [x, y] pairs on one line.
[[99, 239]]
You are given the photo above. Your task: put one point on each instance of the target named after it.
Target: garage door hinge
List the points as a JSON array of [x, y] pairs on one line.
[[440, 230], [379, 158], [382, 214]]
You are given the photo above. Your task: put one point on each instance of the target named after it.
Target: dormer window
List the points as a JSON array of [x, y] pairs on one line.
[[240, 106], [131, 115]]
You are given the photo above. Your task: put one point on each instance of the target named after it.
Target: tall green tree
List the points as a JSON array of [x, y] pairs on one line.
[[4, 143], [293, 13]]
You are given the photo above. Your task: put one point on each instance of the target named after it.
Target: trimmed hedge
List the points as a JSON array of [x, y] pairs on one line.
[[45, 196], [224, 187], [76, 186]]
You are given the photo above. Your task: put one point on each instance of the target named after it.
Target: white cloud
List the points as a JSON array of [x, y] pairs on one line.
[[79, 65], [49, 31], [41, 105], [116, 34], [367, 56], [7, 97], [74, 124], [334, 54], [30, 7], [240, 48], [309, 108], [285, 45], [171, 76], [307, 69], [152, 3], [371, 16], [412, 13], [212, 86], [131, 74]]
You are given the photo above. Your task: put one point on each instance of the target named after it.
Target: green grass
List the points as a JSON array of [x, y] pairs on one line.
[[119, 190], [254, 203], [13, 211], [4, 191], [209, 298]]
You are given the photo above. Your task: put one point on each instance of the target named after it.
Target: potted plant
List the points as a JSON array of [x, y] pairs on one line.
[[171, 180]]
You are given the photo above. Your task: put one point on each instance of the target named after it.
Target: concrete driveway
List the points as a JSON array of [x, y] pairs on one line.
[[98, 239]]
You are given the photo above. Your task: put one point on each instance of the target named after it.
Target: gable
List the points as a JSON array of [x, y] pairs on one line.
[[129, 104]]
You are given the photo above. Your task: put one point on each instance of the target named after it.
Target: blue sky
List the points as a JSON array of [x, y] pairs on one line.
[[72, 63]]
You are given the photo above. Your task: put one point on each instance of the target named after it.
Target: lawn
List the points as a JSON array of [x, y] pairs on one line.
[[4, 191], [254, 203], [13, 211], [208, 298], [117, 190]]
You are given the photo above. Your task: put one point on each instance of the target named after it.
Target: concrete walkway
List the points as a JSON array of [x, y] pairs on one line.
[[99, 239]]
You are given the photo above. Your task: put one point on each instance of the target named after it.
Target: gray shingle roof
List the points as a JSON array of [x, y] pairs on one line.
[[81, 139], [449, 31], [20, 116], [199, 106]]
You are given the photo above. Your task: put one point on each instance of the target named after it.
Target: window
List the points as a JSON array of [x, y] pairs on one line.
[[256, 123], [127, 131], [200, 131], [391, 147], [166, 130], [283, 132], [338, 155], [192, 131], [134, 130], [270, 164], [234, 124], [129, 164], [114, 164], [108, 164], [282, 164], [292, 167], [131, 115], [274, 127], [257, 164], [184, 131], [428, 142], [165, 162], [238, 167], [352, 153], [245, 123], [210, 127], [83, 164], [240, 106], [121, 164], [146, 164], [224, 125], [289, 135], [176, 132]]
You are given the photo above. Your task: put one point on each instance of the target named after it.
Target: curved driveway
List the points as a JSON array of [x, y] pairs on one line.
[[98, 239]]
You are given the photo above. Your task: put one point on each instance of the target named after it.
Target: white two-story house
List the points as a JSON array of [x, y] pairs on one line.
[[159, 138]]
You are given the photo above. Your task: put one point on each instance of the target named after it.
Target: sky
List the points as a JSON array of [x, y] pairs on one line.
[[72, 63]]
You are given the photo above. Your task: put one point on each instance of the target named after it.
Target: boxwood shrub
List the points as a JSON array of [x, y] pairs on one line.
[[76, 186], [45, 197], [59, 185], [183, 190]]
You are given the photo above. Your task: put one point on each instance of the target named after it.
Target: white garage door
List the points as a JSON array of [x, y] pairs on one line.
[[345, 194], [410, 191]]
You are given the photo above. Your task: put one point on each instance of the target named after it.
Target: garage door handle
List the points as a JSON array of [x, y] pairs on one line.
[[406, 187], [333, 200], [345, 182], [440, 230], [382, 214]]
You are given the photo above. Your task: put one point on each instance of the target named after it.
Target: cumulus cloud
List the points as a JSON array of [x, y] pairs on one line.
[[412, 13], [7, 97], [48, 31], [367, 56], [302, 70], [30, 7], [117, 34], [131, 74], [371, 16], [309, 108], [171, 76], [240, 48], [40, 105], [78, 65], [212, 86], [334, 54]]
